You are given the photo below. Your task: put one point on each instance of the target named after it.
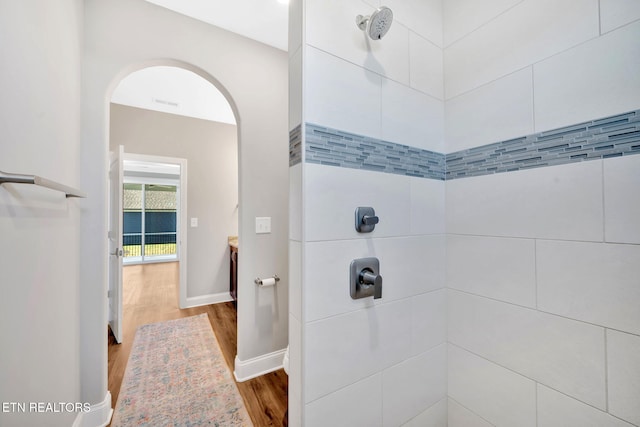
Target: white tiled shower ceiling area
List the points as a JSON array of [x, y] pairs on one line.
[[497, 142]]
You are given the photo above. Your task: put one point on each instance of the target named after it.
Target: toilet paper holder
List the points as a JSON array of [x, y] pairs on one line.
[[258, 280]]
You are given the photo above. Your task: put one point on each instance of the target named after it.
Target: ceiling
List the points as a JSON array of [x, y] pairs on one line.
[[263, 20], [178, 91]]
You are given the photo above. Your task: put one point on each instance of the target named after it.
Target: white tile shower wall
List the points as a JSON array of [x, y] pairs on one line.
[[331, 27], [498, 268], [295, 202], [616, 13], [578, 75], [425, 66], [423, 16], [471, 121], [517, 39], [344, 349], [357, 405], [341, 95], [414, 385], [400, 203], [496, 394], [436, 416], [295, 89], [559, 410], [410, 117], [592, 282], [623, 368], [327, 277], [558, 202], [459, 416], [603, 87], [461, 17], [564, 354], [295, 371], [622, 206]]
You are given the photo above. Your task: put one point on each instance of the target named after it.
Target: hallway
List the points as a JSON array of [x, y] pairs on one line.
[[150, 295]]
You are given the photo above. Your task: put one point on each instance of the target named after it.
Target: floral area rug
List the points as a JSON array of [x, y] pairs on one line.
[[177, 376]]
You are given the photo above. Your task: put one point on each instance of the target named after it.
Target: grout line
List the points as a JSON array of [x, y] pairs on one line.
[[542, 311], [533, 98], [606, 371], [473, 412], [604, 219], [525, 376], [535, 269], [537, 406], [600, 17]]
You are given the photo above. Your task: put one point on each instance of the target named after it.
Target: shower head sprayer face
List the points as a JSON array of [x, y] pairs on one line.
[[376, 25]]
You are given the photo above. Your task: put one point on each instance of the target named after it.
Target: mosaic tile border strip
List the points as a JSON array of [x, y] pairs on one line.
[[332, 147], [612, 136], [295, 145]]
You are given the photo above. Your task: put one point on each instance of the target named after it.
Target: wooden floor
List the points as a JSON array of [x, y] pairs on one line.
[[150, 294]]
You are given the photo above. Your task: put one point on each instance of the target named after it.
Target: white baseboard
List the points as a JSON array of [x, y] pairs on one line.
[[99, 414], [248, 369], [207, 299]]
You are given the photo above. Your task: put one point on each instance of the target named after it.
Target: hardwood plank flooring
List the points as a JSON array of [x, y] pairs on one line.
[[150, 294]]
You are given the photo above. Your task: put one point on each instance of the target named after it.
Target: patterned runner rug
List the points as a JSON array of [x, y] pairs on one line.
[[176, 376]]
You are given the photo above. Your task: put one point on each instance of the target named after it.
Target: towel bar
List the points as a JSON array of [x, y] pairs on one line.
[[14, 178]]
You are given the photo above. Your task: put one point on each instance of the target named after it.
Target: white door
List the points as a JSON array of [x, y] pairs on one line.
[[116, 178]]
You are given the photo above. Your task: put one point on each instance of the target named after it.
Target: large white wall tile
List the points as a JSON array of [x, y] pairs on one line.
[[412, 118], [331, 27], [295, 89], [341, 95], [422, 16], [623, 367], [525, 34], [595, 79], [295, 379], [559, 410], [460, 17], [408, 265], [498, 111], [459, 416], [414, 385], [295, 202], [594, 282], [333, 194], [616, 13], [496, 394], [559, 202], [295, 279], [344, 349], [436, 416], [561, 353], [428, 320], [622, 199], [498, 268], [425, 66], [427, 206], [358, 405], [295, 26]]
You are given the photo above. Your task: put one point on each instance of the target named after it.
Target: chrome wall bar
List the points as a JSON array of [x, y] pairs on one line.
[[14, 178]]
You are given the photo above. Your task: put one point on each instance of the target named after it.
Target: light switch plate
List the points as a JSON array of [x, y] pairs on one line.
[[263, 224], [194, 222]]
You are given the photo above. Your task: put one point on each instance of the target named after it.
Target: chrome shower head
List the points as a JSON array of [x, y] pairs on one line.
[[376, 25]]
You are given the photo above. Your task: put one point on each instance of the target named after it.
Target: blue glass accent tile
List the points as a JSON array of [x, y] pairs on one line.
[[343, 149], [295, 146], [607, 137]]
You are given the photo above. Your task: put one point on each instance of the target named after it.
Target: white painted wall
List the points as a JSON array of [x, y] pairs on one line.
[[254, 77], [40, 229], [365, 362], [211, 151], [542, 265]]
